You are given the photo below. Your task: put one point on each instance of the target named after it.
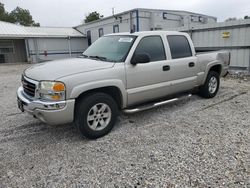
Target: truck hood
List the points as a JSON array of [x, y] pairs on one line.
[[54, 70]]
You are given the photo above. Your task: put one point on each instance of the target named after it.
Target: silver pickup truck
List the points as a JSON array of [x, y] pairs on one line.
[[126, 72]]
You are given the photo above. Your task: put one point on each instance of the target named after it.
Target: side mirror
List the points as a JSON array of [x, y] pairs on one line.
[[140, 58]]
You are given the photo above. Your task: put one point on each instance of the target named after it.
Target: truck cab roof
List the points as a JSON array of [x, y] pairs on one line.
[[146, 33]]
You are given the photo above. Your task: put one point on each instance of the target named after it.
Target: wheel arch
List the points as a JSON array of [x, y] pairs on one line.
[[213, 66], [216, 68], [115, 88], [113, 91]]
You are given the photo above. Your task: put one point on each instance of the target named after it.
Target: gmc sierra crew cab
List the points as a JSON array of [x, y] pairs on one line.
[[126, 72]]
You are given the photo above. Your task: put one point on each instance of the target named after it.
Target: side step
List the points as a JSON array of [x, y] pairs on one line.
[[153, 105]]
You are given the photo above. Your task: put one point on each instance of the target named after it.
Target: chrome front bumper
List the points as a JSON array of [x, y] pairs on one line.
[[49, 112]]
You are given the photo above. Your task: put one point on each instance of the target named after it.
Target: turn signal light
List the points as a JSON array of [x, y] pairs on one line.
[[58, 87]]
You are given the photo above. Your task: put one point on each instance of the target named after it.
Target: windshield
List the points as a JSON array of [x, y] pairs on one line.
[[110, 48]]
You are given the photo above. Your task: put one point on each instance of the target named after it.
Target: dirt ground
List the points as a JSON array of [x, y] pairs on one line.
[[190, 143]]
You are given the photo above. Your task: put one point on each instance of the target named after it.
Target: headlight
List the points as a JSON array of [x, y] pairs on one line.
[[52, 91]]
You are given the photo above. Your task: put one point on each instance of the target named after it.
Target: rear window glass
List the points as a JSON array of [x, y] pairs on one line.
[[179, 46]]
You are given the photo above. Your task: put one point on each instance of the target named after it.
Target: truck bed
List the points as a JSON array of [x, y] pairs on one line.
[[204, 58]]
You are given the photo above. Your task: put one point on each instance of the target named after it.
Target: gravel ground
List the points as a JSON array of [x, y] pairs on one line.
[[191, 143]]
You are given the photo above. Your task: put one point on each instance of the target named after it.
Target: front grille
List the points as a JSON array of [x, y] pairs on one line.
[[28, 87]]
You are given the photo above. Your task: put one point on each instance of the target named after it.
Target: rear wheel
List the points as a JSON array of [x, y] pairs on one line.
[[96, 115], [211, 86]]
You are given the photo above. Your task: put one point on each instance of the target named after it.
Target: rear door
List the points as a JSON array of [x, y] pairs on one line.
[[183, 63]]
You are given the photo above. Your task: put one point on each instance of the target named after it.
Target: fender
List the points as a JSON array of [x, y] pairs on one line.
[[209, 66], [78, 90]]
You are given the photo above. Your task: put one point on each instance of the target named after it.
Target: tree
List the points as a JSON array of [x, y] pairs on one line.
[[4, 16], [23, 17], [92, 17], [2, 10], [246, 17], [17, 16]]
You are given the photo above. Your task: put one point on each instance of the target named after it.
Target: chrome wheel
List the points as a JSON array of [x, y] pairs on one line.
[[99, 116], [212, 85]]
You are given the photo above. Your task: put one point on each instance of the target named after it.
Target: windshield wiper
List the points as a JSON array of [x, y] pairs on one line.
[[83, 56], [98, 57]]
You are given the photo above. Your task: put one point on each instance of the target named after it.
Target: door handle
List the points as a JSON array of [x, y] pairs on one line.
[[166, 68], [191, 64]]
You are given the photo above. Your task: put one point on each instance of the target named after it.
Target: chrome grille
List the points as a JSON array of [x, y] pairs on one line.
[[28, 87]]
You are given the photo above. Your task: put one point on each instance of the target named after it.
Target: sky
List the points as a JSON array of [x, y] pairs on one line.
[[68, 13]]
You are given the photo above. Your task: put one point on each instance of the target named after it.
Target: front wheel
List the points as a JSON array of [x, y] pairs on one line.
[[95, 115], [211, 86]]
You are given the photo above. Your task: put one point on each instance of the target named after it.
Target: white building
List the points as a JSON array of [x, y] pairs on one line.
[[233, 36], [206, 33], [38, 44], [142, 20]]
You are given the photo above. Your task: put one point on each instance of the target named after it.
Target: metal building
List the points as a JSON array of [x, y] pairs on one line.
[[207, 34], [233, 36], [142, 20], [38, 44]]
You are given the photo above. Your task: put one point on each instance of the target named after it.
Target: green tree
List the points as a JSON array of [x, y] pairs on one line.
[[246, 17], [92, 17], [18, 16], [4, 16], [23, 17], [2, 10]]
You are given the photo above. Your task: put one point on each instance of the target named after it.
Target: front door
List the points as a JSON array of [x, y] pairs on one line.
[[146, 81]]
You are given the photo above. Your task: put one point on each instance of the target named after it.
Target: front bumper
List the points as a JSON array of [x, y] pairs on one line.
[[48, 112]]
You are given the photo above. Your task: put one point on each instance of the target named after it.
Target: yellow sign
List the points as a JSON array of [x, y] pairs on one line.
[[226, 34]]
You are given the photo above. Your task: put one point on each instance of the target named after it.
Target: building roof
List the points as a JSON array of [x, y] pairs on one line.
[[9, 30], [145, 9]]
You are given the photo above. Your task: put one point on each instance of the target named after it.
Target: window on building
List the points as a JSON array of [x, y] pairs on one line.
[[6, 47], [179, 46], [157, 28], [133, 28], [101, 33], [153, 46], [164, 15], [116, 29], [89, 37]]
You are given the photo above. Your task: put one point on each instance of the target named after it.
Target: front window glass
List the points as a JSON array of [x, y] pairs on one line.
[[153, 46], [110, 48]]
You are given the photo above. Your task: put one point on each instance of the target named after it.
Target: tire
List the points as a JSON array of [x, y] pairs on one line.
[[95, 115], [211, 86]]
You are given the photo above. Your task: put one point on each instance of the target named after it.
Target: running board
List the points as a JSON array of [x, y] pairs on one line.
[[153, 105]]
